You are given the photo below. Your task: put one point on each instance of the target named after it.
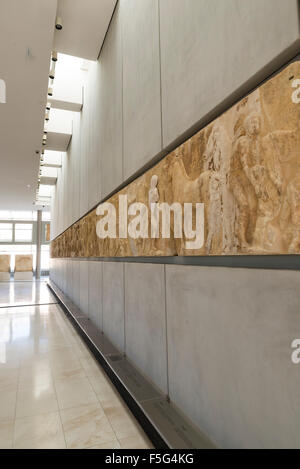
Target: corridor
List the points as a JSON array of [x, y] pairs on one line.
[[53, 392]]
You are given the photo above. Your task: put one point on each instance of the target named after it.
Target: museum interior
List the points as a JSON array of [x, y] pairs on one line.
[[149, 224]]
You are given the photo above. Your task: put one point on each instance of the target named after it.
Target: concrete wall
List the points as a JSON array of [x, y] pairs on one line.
[[216, 340], [166, 68]]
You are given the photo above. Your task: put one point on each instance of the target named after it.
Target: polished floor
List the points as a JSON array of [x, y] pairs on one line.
[[53, 393]]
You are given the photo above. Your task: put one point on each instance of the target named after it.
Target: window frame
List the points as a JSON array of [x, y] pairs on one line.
[[8, 222]]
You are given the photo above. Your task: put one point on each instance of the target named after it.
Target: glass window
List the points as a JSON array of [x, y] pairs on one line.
[[5, 215], [23, 232], [24, 215], [6, 232], [46, 216], [21, 215]]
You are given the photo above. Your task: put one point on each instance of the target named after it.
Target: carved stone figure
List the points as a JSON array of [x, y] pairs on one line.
[[244, 167], [291, 212], [241, 186]]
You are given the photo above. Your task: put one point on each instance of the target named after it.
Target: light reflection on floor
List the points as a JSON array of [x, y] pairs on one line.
[[53, 392], [24, 293]]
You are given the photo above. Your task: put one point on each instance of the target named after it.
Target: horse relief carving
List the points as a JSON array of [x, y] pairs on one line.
[[244, 167]]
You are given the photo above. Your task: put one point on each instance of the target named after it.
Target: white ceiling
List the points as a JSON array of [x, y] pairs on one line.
[[85, 23], [26, 38]]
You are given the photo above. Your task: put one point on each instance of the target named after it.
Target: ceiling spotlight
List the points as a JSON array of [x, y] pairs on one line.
[[52, 73], [47, 116], [58, 23], [50, 91], [43, 151], [54, 56], [48, 107]]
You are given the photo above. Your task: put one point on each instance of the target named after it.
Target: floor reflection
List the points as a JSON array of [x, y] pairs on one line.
[[53, 393], [24, 293]]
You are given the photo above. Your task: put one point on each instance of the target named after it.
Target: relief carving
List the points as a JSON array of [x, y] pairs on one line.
[[244, 168]]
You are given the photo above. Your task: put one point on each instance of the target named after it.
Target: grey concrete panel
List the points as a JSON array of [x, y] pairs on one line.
[[93, 163], [113, 303], [95, 293], [84, 286], [145, 326], [229, 353], [69, 278], [76, 283], [111, 115], [74, 151], [141, 83], [84, 154], [209, 49]]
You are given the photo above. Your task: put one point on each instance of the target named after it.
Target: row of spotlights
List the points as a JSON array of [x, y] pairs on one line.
[[58, 26]]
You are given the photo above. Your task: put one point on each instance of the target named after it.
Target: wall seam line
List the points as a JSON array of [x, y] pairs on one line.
[[102, 297], [166, 326], [124, 303], [122, 91], [160, 76]]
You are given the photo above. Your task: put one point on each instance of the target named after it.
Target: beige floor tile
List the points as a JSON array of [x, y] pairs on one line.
[[48, 373], [9, 356], [81, 351], [39, 432], [122, 422], [38, 374], [10, 364], [111, 445], [63, 356], [86, 426], [67, 369], [8, 400], [91, 366], [32, 360], [66, 374], [74, 392], [8, 378], [35, 400], [135, 442], [6, 434], [106, 393]]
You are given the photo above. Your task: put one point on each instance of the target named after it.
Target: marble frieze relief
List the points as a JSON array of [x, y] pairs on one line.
[[244, 168]]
